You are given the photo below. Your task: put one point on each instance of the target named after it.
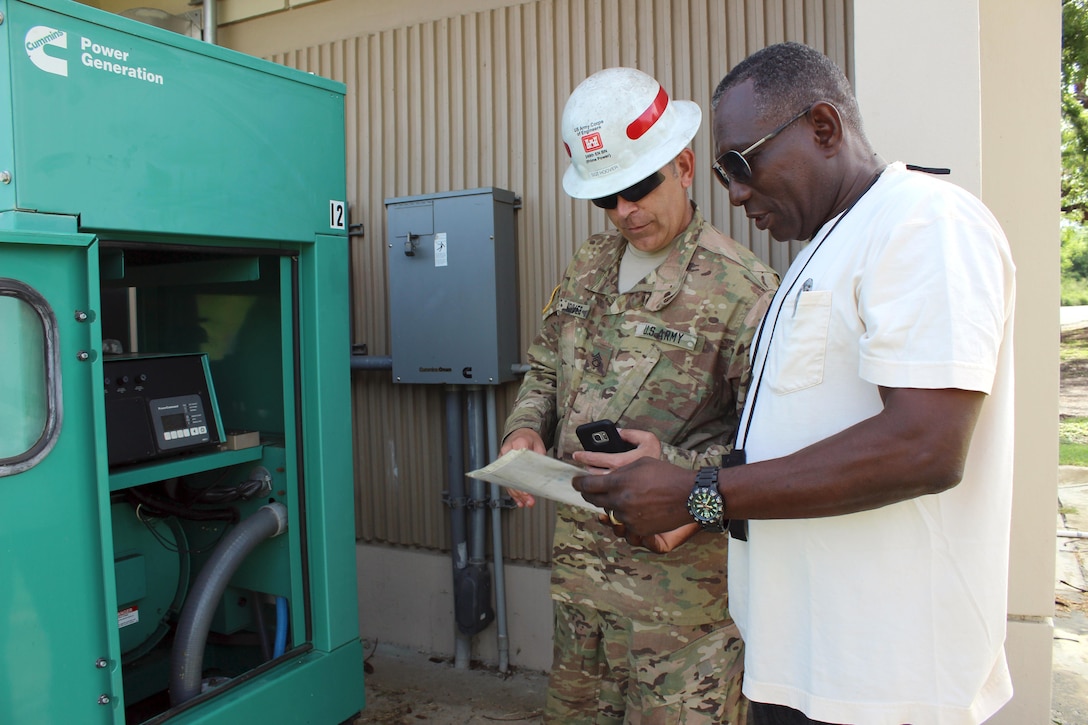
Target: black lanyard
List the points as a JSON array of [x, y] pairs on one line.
[[755, 384]]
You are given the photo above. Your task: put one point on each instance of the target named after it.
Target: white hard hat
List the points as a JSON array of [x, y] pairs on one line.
[[620, 126]]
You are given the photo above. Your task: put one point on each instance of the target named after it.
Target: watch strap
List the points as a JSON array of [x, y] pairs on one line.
[[707, 478]]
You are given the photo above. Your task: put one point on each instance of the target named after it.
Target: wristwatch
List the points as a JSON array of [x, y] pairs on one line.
[[705, 502]]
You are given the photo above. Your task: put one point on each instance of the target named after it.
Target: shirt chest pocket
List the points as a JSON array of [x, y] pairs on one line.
[[800, 355]]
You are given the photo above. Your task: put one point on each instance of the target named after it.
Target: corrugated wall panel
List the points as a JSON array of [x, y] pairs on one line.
[[474, 100]]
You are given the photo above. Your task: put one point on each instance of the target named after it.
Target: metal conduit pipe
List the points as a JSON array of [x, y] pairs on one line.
[[187, 654], [477, 451], [371, 362], [455, 476], [474, 609], [211, 22], [496, 537]]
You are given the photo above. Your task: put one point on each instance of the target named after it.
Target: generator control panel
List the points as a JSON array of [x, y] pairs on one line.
[[159, 406]]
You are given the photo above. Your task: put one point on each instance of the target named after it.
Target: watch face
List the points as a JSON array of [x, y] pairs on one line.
[[705, 506]]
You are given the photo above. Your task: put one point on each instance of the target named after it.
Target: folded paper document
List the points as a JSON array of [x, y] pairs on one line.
[[539, 475]]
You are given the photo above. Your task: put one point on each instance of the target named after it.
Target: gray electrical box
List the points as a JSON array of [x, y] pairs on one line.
[[453, 287]]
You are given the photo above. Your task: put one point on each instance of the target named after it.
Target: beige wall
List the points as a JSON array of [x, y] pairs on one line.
[[229, 11], [1021, 43], [919, 86], [329, 20], [417, 611]]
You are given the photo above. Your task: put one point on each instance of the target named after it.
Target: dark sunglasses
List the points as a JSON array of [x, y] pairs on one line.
[[632, 193], [733, 166]]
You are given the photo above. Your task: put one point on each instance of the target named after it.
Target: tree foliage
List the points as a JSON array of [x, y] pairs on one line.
[[1075, 110], [1074, 151]]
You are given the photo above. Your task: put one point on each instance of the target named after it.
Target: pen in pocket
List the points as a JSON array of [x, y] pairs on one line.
[[804, 288]]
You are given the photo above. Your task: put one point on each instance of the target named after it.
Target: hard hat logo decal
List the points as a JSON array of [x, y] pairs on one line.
[[650, 116], [592, 142], [618, 127]]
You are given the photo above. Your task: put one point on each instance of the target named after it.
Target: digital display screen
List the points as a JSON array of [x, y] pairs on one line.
[[174, 421]]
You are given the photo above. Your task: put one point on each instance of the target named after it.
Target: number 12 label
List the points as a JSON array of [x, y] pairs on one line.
[[337, 214]]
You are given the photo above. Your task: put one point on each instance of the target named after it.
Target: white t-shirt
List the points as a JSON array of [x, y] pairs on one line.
[[895, 615]]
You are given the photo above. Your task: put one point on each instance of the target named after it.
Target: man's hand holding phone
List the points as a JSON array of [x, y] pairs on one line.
[[608, 448], [602, 436]]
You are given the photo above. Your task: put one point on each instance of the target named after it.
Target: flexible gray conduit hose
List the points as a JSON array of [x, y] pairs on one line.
[[187, 655]]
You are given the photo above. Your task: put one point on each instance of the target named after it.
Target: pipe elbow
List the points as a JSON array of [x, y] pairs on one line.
[[279, 512]]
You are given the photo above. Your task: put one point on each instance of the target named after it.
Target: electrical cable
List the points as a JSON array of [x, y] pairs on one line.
[[163, 507]]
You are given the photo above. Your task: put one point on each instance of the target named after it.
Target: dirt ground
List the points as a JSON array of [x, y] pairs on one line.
[[1073, 401], [1069, 696], [1073, 396], [405, 687]]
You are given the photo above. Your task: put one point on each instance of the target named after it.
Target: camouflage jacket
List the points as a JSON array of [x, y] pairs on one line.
[[669, 356]]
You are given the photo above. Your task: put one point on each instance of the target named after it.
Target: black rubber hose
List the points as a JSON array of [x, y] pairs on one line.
[[262, 630], [187, 655], [164, 507]]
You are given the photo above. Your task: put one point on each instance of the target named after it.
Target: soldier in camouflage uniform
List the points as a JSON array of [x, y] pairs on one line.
[[642, 635]]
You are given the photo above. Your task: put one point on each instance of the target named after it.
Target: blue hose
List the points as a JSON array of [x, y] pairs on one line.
[[281, 627]]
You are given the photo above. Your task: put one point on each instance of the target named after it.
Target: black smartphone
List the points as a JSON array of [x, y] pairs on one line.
[[601, 436]]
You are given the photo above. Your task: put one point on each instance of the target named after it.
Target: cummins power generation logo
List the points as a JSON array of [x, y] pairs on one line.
[[47, 48], [41, 37]]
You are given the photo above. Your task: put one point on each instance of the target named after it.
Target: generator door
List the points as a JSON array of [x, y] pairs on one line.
[[51, 503]]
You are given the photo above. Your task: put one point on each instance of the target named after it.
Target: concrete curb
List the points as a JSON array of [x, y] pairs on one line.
[[1072, 475], [1069, 666]]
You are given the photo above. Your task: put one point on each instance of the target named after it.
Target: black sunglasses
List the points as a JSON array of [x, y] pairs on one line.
[[732, 165], [632, 193]]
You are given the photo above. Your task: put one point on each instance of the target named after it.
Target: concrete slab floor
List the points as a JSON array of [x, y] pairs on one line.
[[404, 686], [1069, 696]]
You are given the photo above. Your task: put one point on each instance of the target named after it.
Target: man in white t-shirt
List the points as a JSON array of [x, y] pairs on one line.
[[868, 566]]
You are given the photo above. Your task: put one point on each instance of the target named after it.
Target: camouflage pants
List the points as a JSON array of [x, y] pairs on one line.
[[610, 670]]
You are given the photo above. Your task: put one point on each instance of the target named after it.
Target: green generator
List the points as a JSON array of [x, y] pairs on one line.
[[176, 492]]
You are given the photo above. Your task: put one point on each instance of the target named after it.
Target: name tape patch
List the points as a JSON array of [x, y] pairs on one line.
[[571, 307], [667, 336]]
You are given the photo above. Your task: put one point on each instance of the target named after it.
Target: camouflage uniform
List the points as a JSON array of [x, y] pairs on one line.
[[669, 356]]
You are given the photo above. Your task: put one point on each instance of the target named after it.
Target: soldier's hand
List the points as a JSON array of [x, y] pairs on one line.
[[519, 439], [659, 543], [647, 445]]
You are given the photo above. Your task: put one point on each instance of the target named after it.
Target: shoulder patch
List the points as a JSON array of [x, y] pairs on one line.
[[715, 241]]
